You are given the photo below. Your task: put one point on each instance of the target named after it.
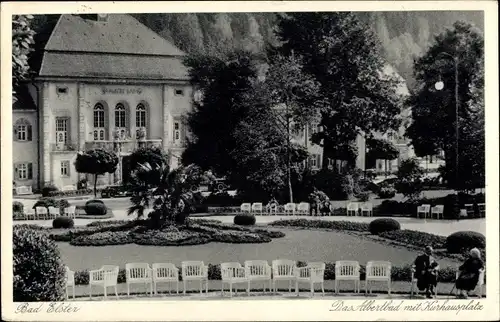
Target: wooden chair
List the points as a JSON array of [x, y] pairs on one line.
[[272, 209], [70, 281], [290, 209], [41, 212], [257, 208], [233, 273], [258, 270], [437, 210], [194, 271], [347, 271], [53, 212], [469, 208], [378, 271], [352, 207], [414, 283], [480, 283], [303, 208], [30, 214], [313, 273], [246, 207], [165, 273], [139, 273], [367, 208], [283, 270], [106, 276], [482, 209], [70, 212], [425, 210]]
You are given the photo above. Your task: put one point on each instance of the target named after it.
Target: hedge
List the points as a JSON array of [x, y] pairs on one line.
[[464, 240], [244, 220], [398, 273], [316, 223], [63, 222], [381, 225], [71, 193]]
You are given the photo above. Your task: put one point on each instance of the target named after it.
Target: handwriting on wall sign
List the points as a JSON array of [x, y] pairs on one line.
[[122, 91]]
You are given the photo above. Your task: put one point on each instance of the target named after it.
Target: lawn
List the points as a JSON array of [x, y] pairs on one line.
[[301, 245]]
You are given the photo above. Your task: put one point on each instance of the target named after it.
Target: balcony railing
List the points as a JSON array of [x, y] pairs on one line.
[[124, 146], [62, 147]]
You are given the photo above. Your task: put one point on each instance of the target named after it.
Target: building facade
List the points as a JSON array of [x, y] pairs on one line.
[[106, 81]]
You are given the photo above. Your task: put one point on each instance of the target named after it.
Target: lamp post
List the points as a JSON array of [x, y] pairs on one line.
[[439, 86]]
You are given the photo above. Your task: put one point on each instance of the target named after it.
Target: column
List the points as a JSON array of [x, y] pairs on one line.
[[46, 131], [131, 118], [83, 107], [166, 118]]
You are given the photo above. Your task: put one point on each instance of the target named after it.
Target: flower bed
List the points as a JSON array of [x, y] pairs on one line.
[[415, 238], [398, 273], [315, 223]]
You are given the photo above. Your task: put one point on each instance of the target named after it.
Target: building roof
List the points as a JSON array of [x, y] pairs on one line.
[[119, 47]]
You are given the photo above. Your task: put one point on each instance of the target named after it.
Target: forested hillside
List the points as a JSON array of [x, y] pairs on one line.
[[403, 35]]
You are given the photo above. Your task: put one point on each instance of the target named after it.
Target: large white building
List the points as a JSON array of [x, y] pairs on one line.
[[105, 81]]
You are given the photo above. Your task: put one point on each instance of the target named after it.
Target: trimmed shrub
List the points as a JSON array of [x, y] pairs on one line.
[[63, 222], [48, 189], [381, 225], [415, 238], [95, 209], [46, 202], [325, 224], [386, 192], [244, 220], [464, 240], [17, 206], [38, 269], [94, 201], [63, 203]]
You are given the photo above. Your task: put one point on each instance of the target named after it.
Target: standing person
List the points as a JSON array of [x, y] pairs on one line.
[[469, 273], [425, 268], [315, 203]]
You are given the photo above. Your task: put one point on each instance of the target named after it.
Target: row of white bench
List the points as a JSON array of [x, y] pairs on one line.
[[438, 210], [234, 273], [49, 213], [303, 208]]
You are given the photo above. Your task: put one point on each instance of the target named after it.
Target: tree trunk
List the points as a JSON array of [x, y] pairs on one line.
[[289, 172], [95, 185]]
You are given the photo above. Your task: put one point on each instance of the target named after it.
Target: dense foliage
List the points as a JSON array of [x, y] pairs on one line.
[[96, 162], [63, 222], [463, 241], [37, 267], [244, 220], [410, 178], [382, 225], [22, 45]]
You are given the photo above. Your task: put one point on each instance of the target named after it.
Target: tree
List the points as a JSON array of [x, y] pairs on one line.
[[410, 179], [170, 196], [433, 111], [22, 42], [96, 162], [223, 79], [381, 149], [343, 56]]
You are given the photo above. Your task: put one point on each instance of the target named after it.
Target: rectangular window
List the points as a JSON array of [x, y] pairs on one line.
[[313, 161], [177, 132], [65, 168], [179, 92], [22, 132], [23, 171], [61, 130]]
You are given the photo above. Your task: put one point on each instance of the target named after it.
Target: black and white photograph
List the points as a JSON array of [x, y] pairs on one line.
[[255, 156]]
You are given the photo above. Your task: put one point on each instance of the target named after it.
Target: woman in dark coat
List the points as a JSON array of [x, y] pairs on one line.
[[469, 273]]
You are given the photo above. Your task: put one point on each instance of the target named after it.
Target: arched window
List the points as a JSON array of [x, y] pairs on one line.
[[140, 115], [99, 122], [22, 130], [120, 116]]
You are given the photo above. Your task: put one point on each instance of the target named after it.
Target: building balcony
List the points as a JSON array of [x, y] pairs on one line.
[[123, 146], [62, 147]]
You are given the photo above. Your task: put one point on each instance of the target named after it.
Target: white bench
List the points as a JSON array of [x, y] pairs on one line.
[[24, 190]]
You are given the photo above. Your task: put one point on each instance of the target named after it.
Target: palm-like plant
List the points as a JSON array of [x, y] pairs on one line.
[[168, 193]]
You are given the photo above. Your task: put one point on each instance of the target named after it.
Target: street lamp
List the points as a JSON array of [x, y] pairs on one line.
[[439, 86]]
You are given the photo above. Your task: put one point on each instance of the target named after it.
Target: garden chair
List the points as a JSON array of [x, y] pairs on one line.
[[165, 273], [437, 210], [41, 212], [424, 209], [30, 214], [303, 208], [273, 209], [414, 289], [367, 208], [258, 270], [480, 282], [284, 270], [194, 271], [246, 207], [53, 212], [352, 207], [290, 209], [257, 208], [469, 208], [70, 212], [482, 209], [233, 273], [106, 276], [378, 271], [313, 273], [139, 273], [70, 281], [347, 271]]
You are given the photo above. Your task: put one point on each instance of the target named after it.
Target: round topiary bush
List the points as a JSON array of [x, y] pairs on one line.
[[38, 268], [63, 203], [382, 225], [94, 201], [244, 220], [17, 206], [96, 209], [46, 191], [464, 240], [63, 222]]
